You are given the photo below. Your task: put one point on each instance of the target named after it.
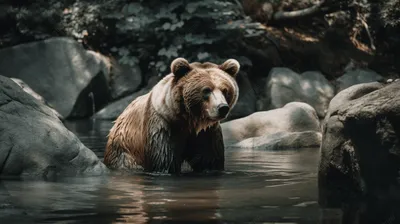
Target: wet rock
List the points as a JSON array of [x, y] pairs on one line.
[[35, 143], [62, 72], [246, 103], [28, 89], [281, 141], [356, 76], [284, 85], [114, 109], [124, 80], [360, 151], [292, 117], [349, 94]]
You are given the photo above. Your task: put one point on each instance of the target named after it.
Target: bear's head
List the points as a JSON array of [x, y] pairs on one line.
[[207, 92]]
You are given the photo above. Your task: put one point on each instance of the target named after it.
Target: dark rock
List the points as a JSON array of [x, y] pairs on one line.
[[356, 76], [284, 85], [35, 143], [124, 80], [349, 94], [292, 117], [371, 211], [360, 151], [71, 79]]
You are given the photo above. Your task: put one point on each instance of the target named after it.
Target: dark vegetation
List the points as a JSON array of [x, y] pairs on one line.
[[323, 35]]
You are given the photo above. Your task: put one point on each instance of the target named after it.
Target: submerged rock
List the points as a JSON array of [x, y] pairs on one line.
[[281, 141], [62, 72], [284, 85], [360, 151], [292, 117], [35, 143]]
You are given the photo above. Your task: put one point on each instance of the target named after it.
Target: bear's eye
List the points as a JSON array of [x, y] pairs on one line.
[[206, 92], [225, 92]]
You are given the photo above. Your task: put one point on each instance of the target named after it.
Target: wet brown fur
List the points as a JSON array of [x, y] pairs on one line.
[[144, 138]]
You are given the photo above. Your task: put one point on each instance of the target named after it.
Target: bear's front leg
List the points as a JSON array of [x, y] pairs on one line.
[[206, 150], [163, 151]]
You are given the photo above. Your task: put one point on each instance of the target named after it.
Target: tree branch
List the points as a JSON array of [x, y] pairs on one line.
[[299, 13], [371, 40]]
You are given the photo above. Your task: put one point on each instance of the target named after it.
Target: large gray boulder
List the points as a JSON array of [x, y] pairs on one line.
[[284, 85], [292, 117], [360, 151], [356, 76], [71, 79], [114, 109], [35, 143], [30, 91], [125, 79]]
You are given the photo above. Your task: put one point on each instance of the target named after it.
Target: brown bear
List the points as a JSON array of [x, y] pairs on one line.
[[177, 121]]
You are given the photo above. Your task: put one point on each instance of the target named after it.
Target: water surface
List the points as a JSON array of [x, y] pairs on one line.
[[257, 187]]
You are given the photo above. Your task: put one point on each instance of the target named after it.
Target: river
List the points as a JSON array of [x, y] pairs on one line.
[[257, 187]]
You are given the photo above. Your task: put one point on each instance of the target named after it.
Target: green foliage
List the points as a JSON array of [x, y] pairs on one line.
[[390, 13], [41, 19], [78, 18], [152, 33], [199, 30], [26, 20]]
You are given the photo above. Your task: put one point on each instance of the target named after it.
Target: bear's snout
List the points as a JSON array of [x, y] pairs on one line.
[[217, 107], [223, 110]]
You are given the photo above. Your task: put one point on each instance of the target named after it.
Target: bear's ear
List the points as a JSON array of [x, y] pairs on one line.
[[230, 66], [180, 67]]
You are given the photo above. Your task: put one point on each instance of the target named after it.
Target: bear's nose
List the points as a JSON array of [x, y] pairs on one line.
[[223, 109]]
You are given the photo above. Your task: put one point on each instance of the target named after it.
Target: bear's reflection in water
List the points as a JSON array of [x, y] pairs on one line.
[[166, 198], [115, 199]]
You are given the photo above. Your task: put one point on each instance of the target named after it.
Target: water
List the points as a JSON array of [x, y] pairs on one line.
[[257, 187]]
